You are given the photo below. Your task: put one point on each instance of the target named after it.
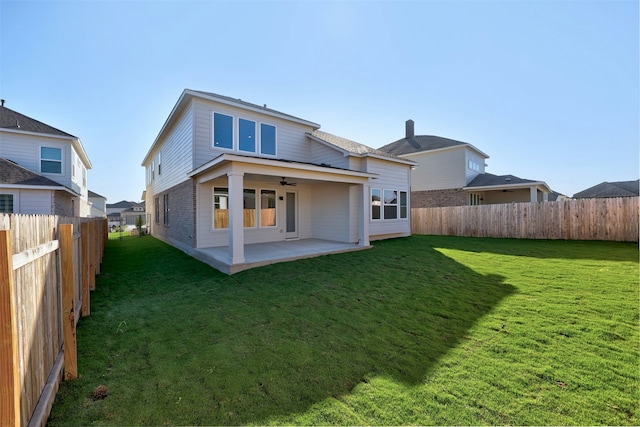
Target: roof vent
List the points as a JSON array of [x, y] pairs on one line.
[[1, 102], [508, 179]]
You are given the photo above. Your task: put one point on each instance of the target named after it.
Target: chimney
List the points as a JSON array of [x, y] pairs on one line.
[[2, 102], [409, 129]]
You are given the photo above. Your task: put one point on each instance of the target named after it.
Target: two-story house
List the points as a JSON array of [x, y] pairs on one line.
[[224, 176], [43, 170], [126, 214], [452, 173]]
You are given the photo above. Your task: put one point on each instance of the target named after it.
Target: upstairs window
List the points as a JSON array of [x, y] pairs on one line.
[[267, 139], [50, 160], [247, 135], [222, 131]]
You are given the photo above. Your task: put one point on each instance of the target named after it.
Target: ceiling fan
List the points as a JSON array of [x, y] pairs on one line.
[[284, 182]]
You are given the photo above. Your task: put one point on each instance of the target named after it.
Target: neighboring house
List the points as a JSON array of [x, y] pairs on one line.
[[98, 205], [225, 173], [611, 189], [452, 173], [44, 170], [125, 213]]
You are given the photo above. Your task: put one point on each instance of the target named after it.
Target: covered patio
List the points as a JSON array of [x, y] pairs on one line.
[[260, 254]]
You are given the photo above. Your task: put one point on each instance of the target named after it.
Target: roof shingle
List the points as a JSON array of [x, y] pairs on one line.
[[13, 120]]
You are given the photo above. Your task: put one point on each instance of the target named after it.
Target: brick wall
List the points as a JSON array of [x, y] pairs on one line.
[[438, 198], [64, 205], [182, 214]]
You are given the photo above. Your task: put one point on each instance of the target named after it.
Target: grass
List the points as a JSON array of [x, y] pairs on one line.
[[422, 331]]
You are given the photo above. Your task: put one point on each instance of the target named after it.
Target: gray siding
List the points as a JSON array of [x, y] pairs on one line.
[[439, 169], [292, 144]]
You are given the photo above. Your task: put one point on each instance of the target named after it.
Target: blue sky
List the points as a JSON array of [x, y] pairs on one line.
[[548, 89]]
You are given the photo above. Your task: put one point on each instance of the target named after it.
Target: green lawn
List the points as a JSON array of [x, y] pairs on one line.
[[424, 330]]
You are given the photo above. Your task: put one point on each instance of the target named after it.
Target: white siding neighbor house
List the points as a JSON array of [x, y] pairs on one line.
[[225, 176], [44, 170], [452, 173]]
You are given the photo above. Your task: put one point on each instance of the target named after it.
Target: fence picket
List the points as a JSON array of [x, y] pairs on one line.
[[614, 219]]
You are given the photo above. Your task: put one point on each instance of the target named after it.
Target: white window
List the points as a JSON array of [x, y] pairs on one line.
[[375, 203], [246, 135], [390, 204], [267, 139], [222, 131], [474, 166], [6, 203], [243, 135], [220, 207], [475, 199], [159, 163], [267, 208], [403, 204], [249, 207], [50, 160]]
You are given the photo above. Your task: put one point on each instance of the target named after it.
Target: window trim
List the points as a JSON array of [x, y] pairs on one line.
[[165, 203], [275, 206], [61, 149], [233, 131], [13, 203], [275, 139], [379, 204], [406, 205], [385, 204], [255, 136]]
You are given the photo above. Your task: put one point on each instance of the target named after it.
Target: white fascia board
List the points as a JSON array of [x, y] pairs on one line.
[[437, 150], [344, 152], [390, 159], [178, 105], [75, 141], [39, 187], [253, 109], [347, 153], [541, 184], [277, 164]]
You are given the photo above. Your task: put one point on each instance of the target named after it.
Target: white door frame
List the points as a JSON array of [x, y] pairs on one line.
[[293, 234]]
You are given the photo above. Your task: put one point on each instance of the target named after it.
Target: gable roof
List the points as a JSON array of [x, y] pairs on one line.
[[352, 147], [13, 120], [95, 195], [485, 180], [611, 189], [189, 94], [122, 204], [240, 102], [13, 174], [420, 143]]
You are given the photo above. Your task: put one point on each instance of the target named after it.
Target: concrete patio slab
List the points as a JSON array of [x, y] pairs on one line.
[[260, 254]]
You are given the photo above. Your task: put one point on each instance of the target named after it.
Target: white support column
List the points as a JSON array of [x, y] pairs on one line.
[[533, 191], [365, 214], [236, 226]]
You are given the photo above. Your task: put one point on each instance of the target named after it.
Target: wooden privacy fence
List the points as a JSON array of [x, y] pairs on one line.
[[47, 268], [582, 219]]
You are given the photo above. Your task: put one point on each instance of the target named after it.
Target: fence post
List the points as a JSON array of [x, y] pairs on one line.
[[86, 308], [68, 302], [9, 363], [92, 256]]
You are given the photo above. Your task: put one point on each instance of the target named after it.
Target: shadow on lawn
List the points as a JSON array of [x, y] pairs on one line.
[[560, 249], [315, 329], [266, 344]]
